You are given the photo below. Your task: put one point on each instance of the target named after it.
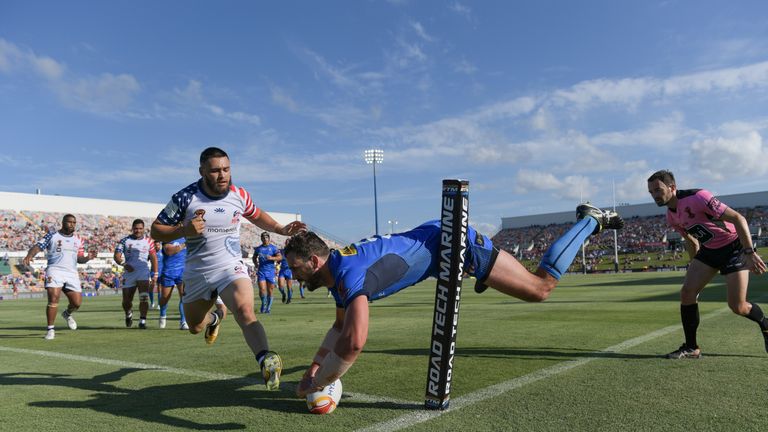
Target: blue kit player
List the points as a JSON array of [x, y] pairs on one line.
[[174, 255], [285, 280], [265, 256], [381, 266]]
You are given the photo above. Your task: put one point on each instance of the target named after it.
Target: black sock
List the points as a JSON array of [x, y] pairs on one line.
[[756, 315], [689, 315], [215, 320], [260, 357]]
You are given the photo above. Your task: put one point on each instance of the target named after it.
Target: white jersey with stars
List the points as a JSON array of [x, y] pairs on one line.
[[219, 245], [136, 251], [62, 251]]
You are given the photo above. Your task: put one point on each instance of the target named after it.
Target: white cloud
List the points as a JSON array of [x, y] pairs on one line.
[[104, 94], [723, 157], [283, 99], [419, 29], [461, 9], [193, 97], [745, 77], [465, 67], [663, 133], [626, 91]]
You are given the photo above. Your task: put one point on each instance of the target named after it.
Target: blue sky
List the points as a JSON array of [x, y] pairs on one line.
[[537, 104]]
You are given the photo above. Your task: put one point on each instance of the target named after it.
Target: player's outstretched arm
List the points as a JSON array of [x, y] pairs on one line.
[[34, 250], [267, 223], [328, 344], [350, 343]]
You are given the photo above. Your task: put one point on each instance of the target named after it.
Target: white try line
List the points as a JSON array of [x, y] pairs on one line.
[[190, 373], [417, 417]]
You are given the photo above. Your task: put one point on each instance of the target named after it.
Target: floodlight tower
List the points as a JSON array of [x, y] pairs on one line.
[[375, 156]]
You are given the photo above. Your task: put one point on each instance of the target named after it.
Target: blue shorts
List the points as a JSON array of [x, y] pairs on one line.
[[286, 274], [169, 279], [266, 276]]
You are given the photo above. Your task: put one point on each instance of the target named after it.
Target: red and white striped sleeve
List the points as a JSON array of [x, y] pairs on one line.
[[250, 211]]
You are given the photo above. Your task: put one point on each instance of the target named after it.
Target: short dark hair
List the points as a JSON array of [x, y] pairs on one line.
[[264, 234], [212, 152], [305, 244], [665, 176], [137, 222], [68, 215]]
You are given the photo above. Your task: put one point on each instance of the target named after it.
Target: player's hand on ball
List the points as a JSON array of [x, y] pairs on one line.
[[196, 225], [306, 386]]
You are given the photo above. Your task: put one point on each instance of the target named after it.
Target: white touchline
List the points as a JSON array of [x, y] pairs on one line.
[[416, 417], [191, 373]]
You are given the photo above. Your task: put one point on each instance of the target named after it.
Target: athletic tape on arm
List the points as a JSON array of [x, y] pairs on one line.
[[331, 369], [328, 344]]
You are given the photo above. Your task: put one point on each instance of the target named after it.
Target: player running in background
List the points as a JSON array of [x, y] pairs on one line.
[[381, 266], [156, 286], [265, 256], [208, 213], [285, 280], [64, 250], [174, 255], [716, 238], [132, 252]]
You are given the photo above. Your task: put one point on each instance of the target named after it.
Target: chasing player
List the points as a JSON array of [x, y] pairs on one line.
[[208, 213], [156, 286], [64, 250], [174, 255], [132, 252], [265, 256], [285, 279], [381, 266], [716, 238]]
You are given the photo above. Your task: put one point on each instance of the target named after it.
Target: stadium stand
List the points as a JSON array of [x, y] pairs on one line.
[[645, 243]]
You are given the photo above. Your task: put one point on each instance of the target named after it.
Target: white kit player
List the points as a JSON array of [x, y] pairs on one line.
[[208, 213], [64, 250], [132, 252]]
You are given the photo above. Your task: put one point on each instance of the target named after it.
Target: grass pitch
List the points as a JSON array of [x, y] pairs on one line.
[[588, 359]]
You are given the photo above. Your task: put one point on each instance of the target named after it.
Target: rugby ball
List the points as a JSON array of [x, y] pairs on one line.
[[325, 400]]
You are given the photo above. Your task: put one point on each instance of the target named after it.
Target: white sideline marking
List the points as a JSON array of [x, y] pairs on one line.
[[416, 417], [188, 372]]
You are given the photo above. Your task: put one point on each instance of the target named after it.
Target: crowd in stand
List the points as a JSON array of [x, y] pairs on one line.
[[649, 236], [19, 230]]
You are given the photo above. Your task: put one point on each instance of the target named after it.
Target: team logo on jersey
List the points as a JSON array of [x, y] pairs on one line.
[[714, 204], [690, 213], [233, 246], [236, 217], [348, 250], [219, 210], [240, 268]]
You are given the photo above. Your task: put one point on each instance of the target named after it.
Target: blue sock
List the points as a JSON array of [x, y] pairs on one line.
[[301, 290], [181, 311], [560, 255], [290, 293], [163, 310], [151, 297], [269, 303]]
